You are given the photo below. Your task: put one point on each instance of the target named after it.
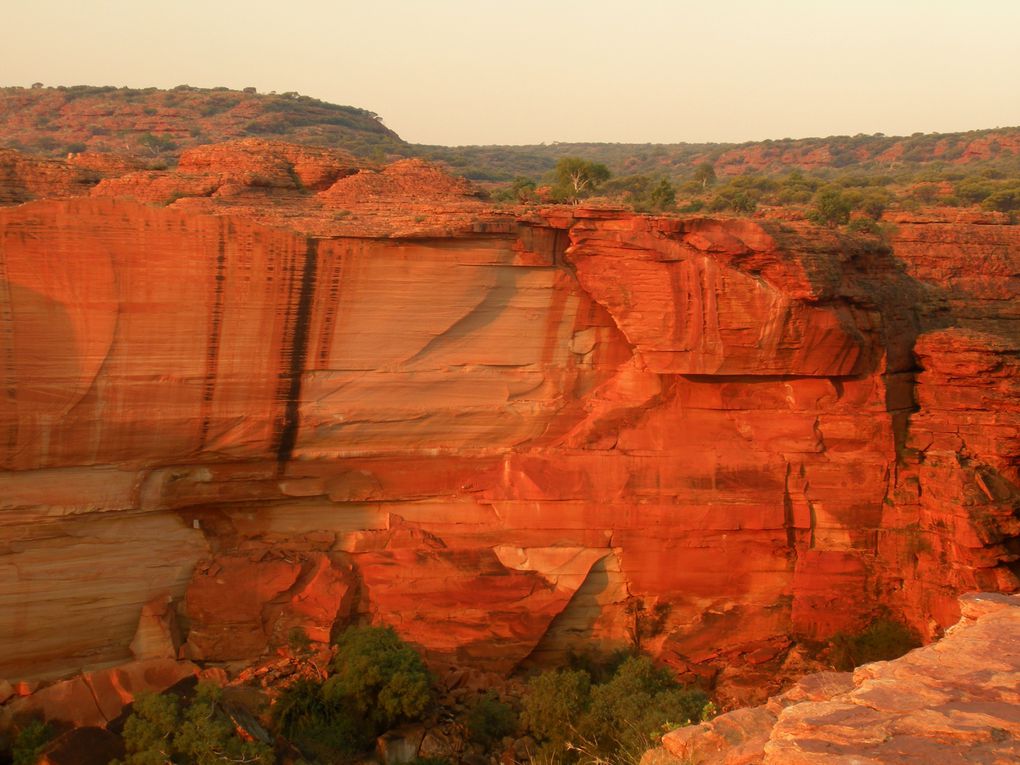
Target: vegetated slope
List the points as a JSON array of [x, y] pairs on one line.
[[677, 161], [158, 124]]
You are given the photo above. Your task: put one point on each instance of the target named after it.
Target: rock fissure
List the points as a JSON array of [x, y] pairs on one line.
[[295, 349]]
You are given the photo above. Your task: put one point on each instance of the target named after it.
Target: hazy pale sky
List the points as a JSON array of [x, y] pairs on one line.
[[523, 71]]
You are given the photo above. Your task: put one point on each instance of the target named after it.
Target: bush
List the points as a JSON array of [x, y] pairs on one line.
[[1004, 200], [642, 192], [576, 177], [553, 702], [638, 705], [521, 190], [832, 206], [208, 735], [157, 144], [600, 665], [663, 196], [882, 640], [737, 201], [29, 742], [974, 190], [378, 675], [298, 706], [864, 226], [159, 730], [378, 682], [873, 202], [704, 175], [489, 720], [613, 721]]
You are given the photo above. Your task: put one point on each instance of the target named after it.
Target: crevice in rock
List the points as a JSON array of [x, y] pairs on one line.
[[295, 350]]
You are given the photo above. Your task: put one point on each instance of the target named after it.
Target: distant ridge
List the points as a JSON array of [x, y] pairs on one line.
[[156, 125], [161, 123]]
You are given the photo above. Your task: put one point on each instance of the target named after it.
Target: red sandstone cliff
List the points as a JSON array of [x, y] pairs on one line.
[[299, 394]]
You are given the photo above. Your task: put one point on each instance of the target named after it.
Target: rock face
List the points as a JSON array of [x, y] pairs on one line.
[[954, 701], [98, 697], [23, 177], [502, 433]]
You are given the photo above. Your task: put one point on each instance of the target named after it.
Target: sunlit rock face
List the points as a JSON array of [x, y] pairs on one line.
[[953, 701], [514, 436]]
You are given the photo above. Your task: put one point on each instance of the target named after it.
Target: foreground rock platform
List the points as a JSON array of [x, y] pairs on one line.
[[955, 701]]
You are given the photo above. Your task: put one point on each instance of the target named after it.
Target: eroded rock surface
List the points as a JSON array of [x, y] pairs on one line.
[[276, 406], [955, 701]]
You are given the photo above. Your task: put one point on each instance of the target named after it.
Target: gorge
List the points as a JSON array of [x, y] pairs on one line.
[[274, 388]]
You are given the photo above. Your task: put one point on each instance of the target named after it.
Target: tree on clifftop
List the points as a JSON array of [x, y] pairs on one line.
[[576, 176], [704, 174], [157, 144], [832, 206]]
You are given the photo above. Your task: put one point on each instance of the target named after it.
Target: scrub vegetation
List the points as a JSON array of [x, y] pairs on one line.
[[836, 181], [595, 711]]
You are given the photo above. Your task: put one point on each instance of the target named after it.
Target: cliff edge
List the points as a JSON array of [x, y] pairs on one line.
[[276, 389], [954, 701]]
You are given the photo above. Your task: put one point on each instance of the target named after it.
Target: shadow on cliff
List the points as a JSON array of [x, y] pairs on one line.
[[41, 375], [575, 624]]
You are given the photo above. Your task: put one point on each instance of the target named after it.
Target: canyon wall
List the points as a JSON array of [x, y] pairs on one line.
[[537, 430]]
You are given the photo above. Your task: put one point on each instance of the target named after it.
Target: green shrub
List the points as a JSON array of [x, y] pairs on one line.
[[882, 640], [553, 703], [638, 705], [704, 175], [1004, 200], [159, 730], [520, 190], [832, 206], [379, 676], [30, 741], [873, 202], [208, 735], [149, 729], [575, 177], [739, 201], [642, 192], [614, 721], [600, 665], [663, 196], [974, 190], [489, 720], [298, 706], [864, 226], [379, 681], [157, 144], [321, 730]]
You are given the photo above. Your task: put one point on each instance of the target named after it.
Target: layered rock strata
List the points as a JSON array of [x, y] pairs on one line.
[[504, 433]]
